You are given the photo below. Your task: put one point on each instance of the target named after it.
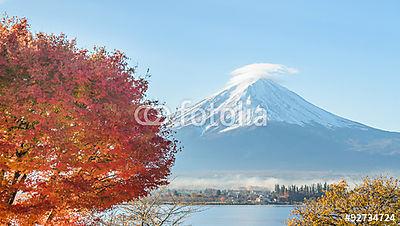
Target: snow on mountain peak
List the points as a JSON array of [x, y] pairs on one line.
[[251, 97]]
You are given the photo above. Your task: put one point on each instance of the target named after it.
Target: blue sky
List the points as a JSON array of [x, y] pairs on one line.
[[347, 52]]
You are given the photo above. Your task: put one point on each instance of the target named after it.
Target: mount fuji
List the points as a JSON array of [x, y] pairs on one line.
[[258, 125]]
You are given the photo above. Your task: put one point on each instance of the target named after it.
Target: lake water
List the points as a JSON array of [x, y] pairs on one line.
[[240, 216]]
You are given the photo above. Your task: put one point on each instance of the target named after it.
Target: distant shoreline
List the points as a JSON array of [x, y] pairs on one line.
[[235, 204]]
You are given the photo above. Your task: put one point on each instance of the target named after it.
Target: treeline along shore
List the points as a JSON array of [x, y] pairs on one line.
[[281, 195]]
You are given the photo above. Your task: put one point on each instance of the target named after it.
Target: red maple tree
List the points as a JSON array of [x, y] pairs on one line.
[[70, 138]]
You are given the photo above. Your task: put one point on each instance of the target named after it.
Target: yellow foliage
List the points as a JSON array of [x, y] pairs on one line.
[[373, 202]]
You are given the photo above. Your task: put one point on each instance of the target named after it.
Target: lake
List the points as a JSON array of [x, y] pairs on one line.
[[240, 215]]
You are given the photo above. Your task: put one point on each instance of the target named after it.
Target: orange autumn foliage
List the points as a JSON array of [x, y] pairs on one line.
[[69, 139]]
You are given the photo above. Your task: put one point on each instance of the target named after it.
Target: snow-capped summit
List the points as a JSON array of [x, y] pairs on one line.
[[255, 103], [256, 124]]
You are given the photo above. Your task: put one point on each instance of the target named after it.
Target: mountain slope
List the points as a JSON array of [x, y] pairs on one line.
[[279, 103], [262, 125]]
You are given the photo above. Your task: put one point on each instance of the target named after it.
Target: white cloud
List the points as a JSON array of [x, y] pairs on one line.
[[252, 72], [267, 179], [242, 181]]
